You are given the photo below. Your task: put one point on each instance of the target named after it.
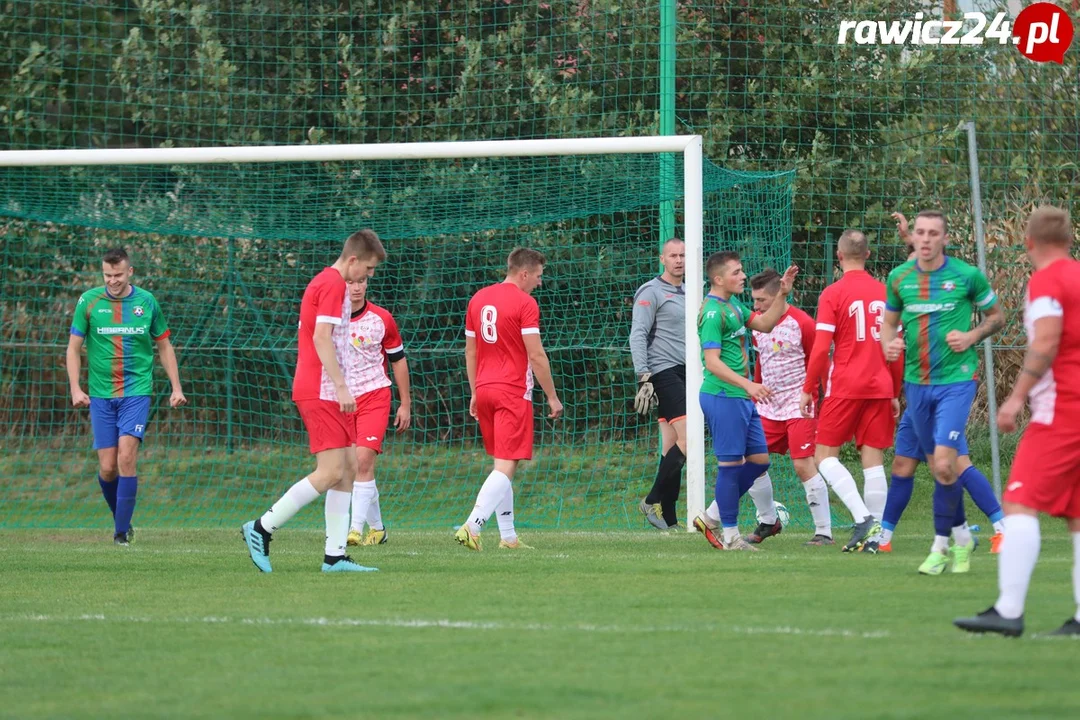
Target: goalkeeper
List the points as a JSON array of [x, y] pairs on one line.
[[658, 347]]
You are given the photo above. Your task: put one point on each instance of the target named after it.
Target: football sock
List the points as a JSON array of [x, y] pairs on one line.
[[504, 513], [817, 497], [1019, 552], [727, 494], [108, 491], [730, 534], [886, 536], [945, 500], [999, 526], [843, 485], [671, 473], [982, 493], [749, 475], [712, 515], [127, 487], [337, 522], [896, 501], [374, 513], [288, 505], [1076, 573], [875, 490], [658, 482], [961, 534], [761, 492], [362, 495], [491, 494]]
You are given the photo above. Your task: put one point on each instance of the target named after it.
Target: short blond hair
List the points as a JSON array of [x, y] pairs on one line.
[[524, 259], [1049, 225], [364, 244]]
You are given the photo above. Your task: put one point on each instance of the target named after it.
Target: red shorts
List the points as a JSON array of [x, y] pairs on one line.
[[795, 435], [1045, 473], [869, 421], [371, 418], [506, 423], [327, 427]]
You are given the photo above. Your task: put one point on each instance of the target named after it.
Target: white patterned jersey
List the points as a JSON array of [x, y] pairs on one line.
[[782, 355], [374, 341]]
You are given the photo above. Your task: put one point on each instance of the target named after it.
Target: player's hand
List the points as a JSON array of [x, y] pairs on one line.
[[894, 349], [788, 280], [645, 400], [556, 408], [1007, 413], [79, 398], [902, 226], [758, 392], [959, 341], [896, 408], [346, 401], [403, 419], [806, 405], [472, 407], [177, 398]]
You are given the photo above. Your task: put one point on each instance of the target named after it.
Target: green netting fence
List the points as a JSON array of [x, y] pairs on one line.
[[866, 130]]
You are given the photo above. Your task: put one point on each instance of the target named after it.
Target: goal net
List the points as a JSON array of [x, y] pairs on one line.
[[227, 239]]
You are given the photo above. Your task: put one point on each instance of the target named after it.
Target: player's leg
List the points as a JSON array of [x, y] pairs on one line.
[[106, 441], [370, 419], [728, 427], [874, 431], [132, 414], [670, 387], [905, 463], [1072, 625], [875, 487], [799, 442], [839, 418], [949, 406], [504, 513], [982, 494], [363, 493], [675, 460], [651, 506], [756, 479], [338, 501]]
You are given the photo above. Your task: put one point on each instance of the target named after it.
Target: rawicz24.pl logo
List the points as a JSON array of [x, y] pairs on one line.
[[1041, 32]]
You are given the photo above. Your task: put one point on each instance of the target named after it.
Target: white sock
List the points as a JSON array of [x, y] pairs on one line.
[[886, 536], [761, 494], [288, 505], [362, 494], [999, 527], [961, 534], [491, 494], [940, 544], [1019, 552], [1076, 573], [504, 513], [712, 515], [731, 534], [843, 485], [817, 497], [875, 490], [337, 521], [374, 513]]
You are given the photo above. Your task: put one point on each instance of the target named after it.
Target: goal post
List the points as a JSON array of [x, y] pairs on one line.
[[689, 147]]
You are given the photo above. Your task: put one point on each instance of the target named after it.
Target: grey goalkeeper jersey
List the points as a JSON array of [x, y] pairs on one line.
[[658, 333]]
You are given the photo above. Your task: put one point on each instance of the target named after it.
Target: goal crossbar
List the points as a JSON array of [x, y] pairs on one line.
[[690, 146]]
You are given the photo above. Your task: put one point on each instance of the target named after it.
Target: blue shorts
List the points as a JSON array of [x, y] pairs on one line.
[[907, 443], [938, 415], [735, 427], [112, 417]]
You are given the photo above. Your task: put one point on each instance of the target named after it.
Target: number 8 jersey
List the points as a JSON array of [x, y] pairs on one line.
[[498, 317], [852, 309]]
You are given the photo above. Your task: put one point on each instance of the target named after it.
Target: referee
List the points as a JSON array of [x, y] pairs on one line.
[[658, 346]]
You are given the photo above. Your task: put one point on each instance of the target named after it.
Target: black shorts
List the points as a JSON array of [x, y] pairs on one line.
[[670, 387]]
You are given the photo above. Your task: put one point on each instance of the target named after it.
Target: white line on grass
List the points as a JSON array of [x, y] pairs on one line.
[[447, 624]]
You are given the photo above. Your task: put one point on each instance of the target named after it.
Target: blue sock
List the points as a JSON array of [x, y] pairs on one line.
[[108, 490], [946, 498], [982, 493], [897, 500], [749, 473], [127, 487], [727, 494]]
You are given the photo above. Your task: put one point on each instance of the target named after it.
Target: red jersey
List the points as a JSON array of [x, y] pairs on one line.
[[374, 338], [1054, 291], [326, 300], [849, 318], [499, 316]]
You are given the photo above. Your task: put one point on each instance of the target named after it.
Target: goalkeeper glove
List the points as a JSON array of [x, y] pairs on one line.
[[645, 400]]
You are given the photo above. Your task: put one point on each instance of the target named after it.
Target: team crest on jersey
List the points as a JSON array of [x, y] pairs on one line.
[[360, 341], [138, 311], [948, 286]]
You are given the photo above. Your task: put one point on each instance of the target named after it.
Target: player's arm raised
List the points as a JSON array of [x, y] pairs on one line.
[[323, 339], [541, 369], [766, 321]]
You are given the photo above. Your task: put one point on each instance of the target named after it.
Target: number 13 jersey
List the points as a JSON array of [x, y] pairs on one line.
[[499, 316], [852, 308]]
